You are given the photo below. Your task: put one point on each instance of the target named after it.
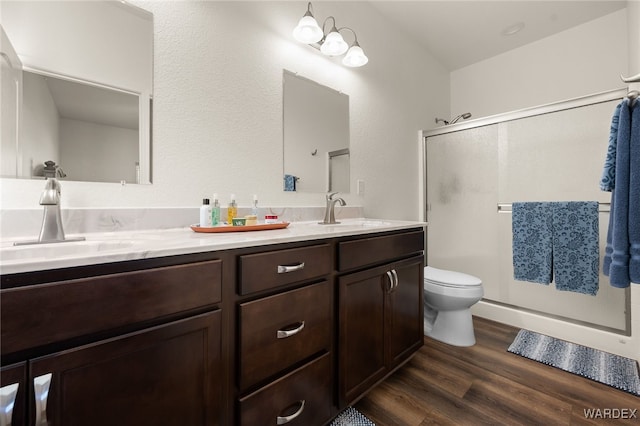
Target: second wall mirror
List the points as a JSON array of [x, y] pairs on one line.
[[316, 136]]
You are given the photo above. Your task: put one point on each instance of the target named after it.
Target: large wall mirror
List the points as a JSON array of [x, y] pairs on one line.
[[316, 136], [77, 81]]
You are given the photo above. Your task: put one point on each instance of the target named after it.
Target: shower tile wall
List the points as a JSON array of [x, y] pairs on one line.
[[551, 157]]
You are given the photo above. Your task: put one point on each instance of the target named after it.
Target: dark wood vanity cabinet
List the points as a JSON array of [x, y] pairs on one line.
[[167, 374], [285, 337], [129, 348], [380, 314], [281, 334]]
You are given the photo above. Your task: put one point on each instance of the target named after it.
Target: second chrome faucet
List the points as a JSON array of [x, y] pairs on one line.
[[329, 212]]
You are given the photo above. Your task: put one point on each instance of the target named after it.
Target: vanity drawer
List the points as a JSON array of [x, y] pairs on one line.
[[278, 331], [304, 396], [47, 313], [272, 269], [374, 250]]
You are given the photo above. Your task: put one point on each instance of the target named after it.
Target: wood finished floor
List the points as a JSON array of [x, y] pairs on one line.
[[486, 385]]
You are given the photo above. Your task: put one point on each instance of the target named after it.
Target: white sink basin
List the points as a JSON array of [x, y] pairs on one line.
[[56, 250]]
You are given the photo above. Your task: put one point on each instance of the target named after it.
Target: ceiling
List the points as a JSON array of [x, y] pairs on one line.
[[459, 33]]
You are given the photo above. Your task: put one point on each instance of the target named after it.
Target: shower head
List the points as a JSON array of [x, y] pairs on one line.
[[461, 116]]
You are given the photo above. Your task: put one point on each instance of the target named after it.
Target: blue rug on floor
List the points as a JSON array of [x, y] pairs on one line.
[[351, 417], [613, 370]]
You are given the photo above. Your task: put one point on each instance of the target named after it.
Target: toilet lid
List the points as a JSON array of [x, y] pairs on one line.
[[450, 278]]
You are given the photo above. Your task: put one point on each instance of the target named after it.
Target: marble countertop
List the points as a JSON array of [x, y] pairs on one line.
[[109, 247]]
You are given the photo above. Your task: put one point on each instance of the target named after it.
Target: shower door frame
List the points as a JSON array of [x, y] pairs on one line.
[[607, 96]]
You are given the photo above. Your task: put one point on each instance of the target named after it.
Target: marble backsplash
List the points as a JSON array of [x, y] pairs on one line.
[[25, 223]]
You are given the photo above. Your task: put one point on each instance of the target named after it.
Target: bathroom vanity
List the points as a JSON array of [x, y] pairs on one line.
[[286, 326]]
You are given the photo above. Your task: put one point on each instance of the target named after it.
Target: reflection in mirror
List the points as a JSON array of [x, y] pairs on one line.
[[84, 91], [316, 136], [91, 132]]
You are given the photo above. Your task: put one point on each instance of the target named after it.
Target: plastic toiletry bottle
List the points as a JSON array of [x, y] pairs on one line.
[[215, 211], [205, 213], [232, 209], [254, 209]]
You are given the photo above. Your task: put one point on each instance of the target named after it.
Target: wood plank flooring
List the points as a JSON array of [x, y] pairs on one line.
[[486, 385]]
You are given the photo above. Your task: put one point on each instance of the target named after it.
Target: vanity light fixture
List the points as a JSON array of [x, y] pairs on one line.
[[332, 44]]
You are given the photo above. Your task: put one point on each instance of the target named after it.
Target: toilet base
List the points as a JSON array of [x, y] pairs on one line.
[[452, 327]]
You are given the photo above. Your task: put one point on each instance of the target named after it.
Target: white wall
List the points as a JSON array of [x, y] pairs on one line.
[[84, 47], [580, 61], [114, 151], [217, 123], [40, 126]]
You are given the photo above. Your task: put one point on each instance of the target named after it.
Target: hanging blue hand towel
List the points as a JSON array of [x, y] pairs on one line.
[[634, 195], [290, 182], [607, 182], [576, 252], [532, 241], [617, 253]]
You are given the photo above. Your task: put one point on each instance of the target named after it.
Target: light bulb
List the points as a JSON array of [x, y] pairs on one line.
[[355, 57], [334, 44], [307, 30]]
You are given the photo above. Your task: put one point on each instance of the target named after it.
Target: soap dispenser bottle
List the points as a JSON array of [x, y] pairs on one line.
[[215, 211], [205, 213], [232, 209], [254, 208]]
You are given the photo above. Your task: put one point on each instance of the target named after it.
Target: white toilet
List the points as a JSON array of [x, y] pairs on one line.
[[448, 297]]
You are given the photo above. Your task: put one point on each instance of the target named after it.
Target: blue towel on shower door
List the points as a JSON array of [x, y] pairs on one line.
[[532, 241], [607, 182], [576, 252], [634, 195], [617, 253]]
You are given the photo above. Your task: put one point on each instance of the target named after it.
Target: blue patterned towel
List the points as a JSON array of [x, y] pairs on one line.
[[532, 241], [607, 182], [576, 252], [290, 182]]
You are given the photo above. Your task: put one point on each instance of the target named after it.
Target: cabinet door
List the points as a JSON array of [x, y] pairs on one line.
[[168, 374], [404, 311], [361, 335], [13, 380]]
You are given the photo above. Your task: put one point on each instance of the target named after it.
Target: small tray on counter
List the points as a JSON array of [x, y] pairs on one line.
[[230, 228]]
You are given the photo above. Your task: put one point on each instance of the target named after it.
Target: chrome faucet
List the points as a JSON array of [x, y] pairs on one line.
[[329, 213], [51, 230]]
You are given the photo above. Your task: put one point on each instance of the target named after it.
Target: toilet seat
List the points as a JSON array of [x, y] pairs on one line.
[[446, 278]]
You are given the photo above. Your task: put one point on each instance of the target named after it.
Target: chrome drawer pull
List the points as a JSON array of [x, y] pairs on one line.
[[283, 269], [7, 402], [41, 392], [283, 334], [395, 278], [283, 420], [390, 276]]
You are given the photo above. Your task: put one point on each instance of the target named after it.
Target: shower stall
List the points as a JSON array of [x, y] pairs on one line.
[[474, 170]]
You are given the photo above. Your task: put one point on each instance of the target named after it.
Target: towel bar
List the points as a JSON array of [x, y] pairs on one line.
[[506, 207]]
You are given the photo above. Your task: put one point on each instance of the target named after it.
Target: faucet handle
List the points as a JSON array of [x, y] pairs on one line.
[[330, 195], [51, 193]]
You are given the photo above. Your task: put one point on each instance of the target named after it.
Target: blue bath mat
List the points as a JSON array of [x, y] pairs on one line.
[[613, 370], [351, 417]]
